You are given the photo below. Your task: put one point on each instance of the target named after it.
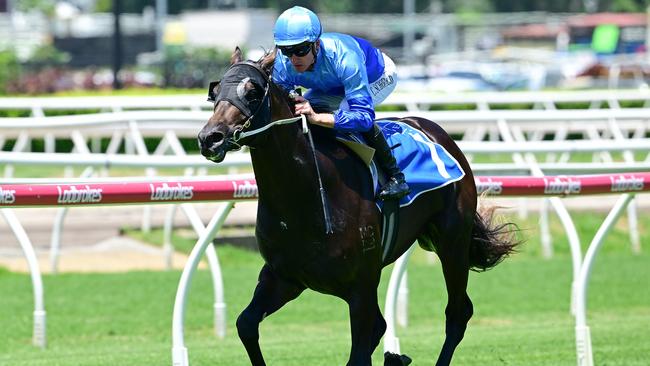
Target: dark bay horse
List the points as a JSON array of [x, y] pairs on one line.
[[347, 262]]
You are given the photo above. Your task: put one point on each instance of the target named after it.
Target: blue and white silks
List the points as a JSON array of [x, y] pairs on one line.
[[426, 165]]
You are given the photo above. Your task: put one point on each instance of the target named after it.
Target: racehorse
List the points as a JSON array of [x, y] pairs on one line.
[[346, 260]]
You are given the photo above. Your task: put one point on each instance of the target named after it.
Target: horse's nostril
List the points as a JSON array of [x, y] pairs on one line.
[[212, 139], [216, 138]]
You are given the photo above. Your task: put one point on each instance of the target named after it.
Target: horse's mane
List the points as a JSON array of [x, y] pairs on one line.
[[267, 58], [266, 63]]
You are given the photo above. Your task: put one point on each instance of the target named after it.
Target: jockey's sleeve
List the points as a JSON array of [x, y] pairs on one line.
[[361, 114]]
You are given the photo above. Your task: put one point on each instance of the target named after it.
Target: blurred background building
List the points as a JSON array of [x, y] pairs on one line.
[[48, 45]]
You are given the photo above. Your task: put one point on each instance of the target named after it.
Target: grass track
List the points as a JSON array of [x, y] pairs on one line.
[[521, 314]]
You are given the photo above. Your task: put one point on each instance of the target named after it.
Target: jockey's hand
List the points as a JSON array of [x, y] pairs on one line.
[[303, 107]]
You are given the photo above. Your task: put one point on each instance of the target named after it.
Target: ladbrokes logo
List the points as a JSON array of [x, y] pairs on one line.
[[79, 195], [7, 196], [166, 192], [627, 184], [244, 190], [561, 185], [489, 186]]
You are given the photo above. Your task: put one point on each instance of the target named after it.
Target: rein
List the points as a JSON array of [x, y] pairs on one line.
[[243, 134]]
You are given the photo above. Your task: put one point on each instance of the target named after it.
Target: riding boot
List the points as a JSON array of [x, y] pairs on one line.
[[396, 186]]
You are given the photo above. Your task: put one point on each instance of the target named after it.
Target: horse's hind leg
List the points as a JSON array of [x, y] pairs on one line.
[[453, 250], [270, 295]]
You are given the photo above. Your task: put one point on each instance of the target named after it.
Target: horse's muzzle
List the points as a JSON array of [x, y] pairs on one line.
[[212, 145]]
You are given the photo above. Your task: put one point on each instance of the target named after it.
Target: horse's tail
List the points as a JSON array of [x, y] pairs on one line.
[[491, 242]]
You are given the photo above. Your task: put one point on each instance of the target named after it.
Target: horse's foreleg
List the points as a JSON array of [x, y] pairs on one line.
[[378, 330], [390, 359], [364, 326], [270, 295], [455, 266]]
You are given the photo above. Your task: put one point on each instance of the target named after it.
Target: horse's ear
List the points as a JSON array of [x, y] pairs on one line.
[[266, 63], [236, 56]]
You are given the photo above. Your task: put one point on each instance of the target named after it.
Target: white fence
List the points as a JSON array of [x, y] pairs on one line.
[[127, 121], [126, 131]]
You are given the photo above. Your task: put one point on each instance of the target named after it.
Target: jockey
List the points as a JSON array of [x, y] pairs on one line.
[[345, 76]]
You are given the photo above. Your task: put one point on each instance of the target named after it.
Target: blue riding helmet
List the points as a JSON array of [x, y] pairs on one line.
[[296, 25]]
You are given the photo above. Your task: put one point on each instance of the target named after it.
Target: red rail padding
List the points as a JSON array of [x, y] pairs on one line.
[[125, 193], [564, 185], [17, 195]]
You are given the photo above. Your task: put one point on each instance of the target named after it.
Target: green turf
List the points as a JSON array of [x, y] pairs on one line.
[[521, 313]]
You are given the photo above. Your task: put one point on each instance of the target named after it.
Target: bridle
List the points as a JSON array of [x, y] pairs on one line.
[[243, 131]]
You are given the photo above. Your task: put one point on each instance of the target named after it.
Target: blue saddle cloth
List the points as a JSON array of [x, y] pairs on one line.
[[426, 165]]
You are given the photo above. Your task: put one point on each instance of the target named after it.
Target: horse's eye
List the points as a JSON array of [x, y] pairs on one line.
[[253, 95]]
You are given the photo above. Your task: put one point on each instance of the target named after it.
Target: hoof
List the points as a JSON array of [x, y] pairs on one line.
[[391, 359]]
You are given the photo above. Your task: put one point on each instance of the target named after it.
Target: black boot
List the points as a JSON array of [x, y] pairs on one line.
[[396, 186]]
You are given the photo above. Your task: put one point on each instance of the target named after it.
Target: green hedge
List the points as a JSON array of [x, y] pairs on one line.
[[66, 145], [10, 70]]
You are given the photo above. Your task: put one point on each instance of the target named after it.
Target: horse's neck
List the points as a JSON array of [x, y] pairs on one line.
[[284, 166]]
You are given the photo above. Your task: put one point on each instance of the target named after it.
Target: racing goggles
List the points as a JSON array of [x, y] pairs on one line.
[[299, 50]]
